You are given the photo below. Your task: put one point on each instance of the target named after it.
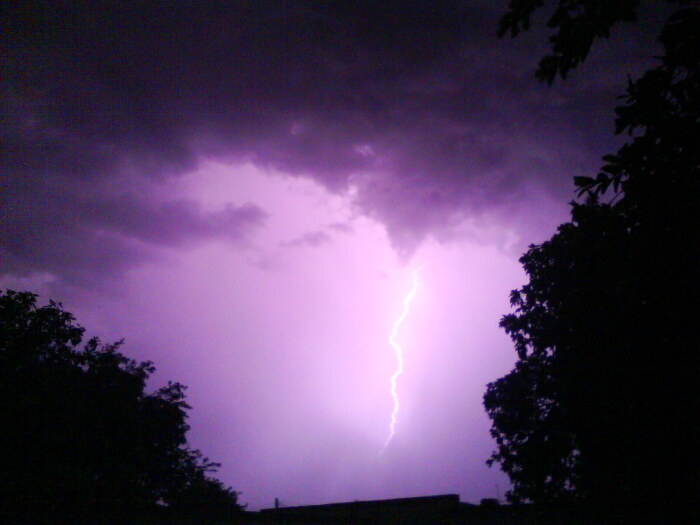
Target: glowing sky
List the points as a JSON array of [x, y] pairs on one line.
[[284, 344], [243, 192]]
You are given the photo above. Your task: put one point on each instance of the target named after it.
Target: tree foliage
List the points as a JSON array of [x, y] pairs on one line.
[[576, 24], [603, 401], [82, 440]]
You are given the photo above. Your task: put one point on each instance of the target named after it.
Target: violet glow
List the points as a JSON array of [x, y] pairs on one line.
[[287, 375], [243, 209]]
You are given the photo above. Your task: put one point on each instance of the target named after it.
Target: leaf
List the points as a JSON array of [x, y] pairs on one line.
[[583, 182]]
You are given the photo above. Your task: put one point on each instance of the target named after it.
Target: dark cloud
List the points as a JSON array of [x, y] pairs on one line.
[[82, 232], [313, 239], [342, 227], [415, 104]]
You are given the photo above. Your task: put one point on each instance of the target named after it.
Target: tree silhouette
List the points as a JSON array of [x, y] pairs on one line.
[[603, 401], [82, 440]]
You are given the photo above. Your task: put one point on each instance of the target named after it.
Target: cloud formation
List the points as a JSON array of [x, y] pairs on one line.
[[83, 232], [313, 239], [401, 103]]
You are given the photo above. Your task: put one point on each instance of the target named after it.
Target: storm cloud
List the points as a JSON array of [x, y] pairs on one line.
[[400, 103]]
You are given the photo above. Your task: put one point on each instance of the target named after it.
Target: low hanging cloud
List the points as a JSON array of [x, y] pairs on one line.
[[82, 236], [402, 105], [313, 239]]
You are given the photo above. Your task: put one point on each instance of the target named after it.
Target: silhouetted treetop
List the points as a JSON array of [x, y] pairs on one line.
[[602, 403], [661, 114], [83, 441], [576, 24]]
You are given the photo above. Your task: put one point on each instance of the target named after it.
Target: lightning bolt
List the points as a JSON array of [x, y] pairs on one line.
[[399, 357]]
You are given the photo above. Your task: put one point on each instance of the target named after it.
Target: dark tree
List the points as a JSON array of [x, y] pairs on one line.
[[576, 24], [604, 400], [82, 440]]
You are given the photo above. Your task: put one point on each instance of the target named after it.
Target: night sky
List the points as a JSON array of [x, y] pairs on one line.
[[244, 190]]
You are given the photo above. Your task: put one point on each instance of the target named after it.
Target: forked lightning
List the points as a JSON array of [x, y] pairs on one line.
[[399, 357]]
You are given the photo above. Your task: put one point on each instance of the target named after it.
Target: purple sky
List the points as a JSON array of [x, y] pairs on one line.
[[243, 189]]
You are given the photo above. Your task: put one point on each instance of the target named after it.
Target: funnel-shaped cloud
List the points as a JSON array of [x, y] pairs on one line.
[[417, 108]]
